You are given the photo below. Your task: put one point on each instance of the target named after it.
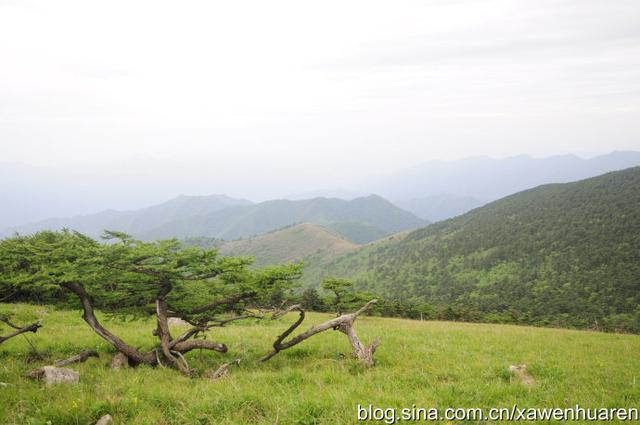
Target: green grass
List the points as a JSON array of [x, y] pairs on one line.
[[430, 364]]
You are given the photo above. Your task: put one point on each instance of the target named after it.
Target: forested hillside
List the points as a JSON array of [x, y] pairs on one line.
[[304, 241], [560, 254], [440, 207]]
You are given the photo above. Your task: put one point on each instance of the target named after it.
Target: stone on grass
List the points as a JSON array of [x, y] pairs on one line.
[[55, 375], [120, 361], [105, 420], [520, 371]]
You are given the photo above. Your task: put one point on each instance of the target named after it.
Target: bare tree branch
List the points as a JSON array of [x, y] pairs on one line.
[[186, 346], [232, 299], [342, 323], [33, 327], [221, 322]]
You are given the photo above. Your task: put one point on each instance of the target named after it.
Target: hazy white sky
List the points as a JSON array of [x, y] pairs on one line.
[[316, 92]]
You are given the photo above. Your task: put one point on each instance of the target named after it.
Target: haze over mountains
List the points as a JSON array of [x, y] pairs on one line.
[[360, 220], [441, 189], [488, 179], [139, 221], [433, 191], [559, 254]]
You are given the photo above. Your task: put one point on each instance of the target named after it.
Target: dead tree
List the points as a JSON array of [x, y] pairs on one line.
[[343, 323], [33, 327]]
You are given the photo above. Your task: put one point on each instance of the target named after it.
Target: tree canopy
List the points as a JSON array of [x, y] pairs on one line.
[[128, 276]]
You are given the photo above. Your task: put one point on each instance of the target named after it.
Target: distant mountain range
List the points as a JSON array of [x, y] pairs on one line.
[[434, 191], [360, 220], [438, 190], [565, 254], [33, 193], [559, 254], [136, 222]]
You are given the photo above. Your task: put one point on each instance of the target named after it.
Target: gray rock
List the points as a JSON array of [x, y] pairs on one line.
[[55, 375], [520, 371], [105, 420], [120, 361]]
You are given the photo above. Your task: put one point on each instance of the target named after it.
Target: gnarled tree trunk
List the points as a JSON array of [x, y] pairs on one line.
[[343, 323], [135, 356], [170, 347], [165, 338]]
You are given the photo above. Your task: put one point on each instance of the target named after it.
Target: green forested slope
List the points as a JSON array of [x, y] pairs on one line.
[[303, 241], [562, 254]]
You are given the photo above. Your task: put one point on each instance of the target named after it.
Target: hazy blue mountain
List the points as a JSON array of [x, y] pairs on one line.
[[360, 220], [33, 193], [218, 216], [327, 193], [138, 221], [487, 179], [439, 207]]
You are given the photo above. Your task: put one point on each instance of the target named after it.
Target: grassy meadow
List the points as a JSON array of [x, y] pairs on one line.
[[429, 364]]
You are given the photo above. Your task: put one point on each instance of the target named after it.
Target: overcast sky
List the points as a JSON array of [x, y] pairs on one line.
[[312, 94]]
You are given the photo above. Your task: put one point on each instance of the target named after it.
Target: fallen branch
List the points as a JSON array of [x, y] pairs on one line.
[[222, 371], [343, 323], [78, 358], [186, 346]]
